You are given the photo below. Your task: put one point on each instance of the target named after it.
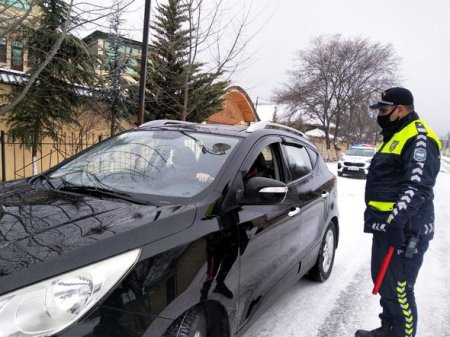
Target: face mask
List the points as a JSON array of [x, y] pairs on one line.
[[384, 121]]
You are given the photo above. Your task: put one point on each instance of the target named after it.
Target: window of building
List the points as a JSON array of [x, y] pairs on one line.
[[21, 4], [123, 54], [17, 55], [3, 49], [31, 57], [133, 62]]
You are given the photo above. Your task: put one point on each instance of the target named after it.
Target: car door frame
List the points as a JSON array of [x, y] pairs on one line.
[[311, 200], [278, 223]]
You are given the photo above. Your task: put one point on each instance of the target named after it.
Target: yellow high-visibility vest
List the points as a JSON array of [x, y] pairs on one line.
[[395, 146], [397, 142]]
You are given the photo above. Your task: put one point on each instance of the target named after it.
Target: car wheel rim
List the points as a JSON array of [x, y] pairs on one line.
[[328, 251]]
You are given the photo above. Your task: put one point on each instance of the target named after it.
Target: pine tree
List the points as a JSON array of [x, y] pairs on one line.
[[117, 63], [60, 88], [177, 88]]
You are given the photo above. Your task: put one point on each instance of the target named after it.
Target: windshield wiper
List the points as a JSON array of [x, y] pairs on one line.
[[43, 177], [104, 191]]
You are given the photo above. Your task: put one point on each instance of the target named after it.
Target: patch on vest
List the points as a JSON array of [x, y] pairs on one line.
[[393, 145], [420, 128], [420, 154]]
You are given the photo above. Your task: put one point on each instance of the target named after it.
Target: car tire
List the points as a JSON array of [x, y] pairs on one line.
[[324, 264], [191, 324]]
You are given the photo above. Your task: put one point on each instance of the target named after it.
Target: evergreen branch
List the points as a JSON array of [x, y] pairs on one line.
[[42, 66]]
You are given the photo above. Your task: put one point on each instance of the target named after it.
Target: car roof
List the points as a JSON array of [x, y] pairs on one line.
[[244, 131], [223, 129]]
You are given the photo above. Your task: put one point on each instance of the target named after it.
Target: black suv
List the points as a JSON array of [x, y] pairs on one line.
[[169, 229]]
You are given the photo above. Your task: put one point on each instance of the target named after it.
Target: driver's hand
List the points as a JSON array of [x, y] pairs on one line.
[[204, 177]]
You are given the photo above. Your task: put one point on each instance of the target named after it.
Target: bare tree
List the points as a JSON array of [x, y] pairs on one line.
[[220, 33], [85, 124], [335, 79], [359, 124]]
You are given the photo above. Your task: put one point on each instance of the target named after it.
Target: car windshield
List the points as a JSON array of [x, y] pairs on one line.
[[165, 163], [360, 152]]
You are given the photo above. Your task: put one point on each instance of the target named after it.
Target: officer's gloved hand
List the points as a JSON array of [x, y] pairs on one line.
[[395, 236]]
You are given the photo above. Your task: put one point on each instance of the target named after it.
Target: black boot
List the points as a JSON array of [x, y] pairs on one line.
[[383, 331]]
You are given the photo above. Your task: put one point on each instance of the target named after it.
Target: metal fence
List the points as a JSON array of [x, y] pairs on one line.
[[16, 160]]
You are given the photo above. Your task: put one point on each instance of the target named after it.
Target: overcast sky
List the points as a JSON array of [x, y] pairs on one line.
[[419, 30]]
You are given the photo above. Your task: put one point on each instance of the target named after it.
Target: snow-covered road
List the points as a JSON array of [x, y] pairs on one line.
[[344, 303]]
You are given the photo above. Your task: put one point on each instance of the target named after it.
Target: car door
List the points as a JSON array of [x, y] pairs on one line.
[[311, 197], [268, 236]]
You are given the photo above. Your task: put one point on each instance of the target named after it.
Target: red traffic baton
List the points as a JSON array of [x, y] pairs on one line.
[[382, 272]]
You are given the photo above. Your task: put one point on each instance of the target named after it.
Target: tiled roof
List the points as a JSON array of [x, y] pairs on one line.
[[15, 77], [10, 76]]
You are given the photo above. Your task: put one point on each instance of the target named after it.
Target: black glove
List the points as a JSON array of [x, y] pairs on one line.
[[395, 236]]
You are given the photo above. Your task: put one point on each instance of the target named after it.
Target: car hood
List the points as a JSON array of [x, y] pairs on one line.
[[44, 232], [356, 159]]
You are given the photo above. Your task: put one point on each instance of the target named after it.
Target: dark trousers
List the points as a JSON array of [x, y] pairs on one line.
[[397, 290]]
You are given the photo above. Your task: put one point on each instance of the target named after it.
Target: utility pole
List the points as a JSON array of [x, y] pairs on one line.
[[144, 53], [3, 153]]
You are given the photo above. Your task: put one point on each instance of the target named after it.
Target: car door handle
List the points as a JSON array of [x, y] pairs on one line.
[[295, 211], [325, 194]]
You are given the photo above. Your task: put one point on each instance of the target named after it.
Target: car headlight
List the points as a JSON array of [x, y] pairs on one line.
[[50, 306]]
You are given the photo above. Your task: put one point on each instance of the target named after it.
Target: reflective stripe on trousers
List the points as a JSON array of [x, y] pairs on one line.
[[397, 290]]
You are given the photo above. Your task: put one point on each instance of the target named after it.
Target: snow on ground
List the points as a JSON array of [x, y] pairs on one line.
[[345, 303]]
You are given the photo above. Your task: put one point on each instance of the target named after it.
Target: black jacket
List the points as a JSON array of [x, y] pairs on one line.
[[399, 187]]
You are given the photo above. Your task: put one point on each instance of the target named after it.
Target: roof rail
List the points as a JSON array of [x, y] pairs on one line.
[[163, 122], [270, 125]]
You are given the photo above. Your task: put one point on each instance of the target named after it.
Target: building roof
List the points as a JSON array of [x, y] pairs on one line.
[[14, 77], [317, 133], [237, 108], [99, 35]]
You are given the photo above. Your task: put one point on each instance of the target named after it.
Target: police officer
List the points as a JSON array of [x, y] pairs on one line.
[[399, 208]]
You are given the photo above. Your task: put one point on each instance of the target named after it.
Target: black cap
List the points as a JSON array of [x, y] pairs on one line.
[[394, 96]]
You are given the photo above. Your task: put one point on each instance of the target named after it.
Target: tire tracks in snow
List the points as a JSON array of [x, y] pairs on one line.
[[345, 316]]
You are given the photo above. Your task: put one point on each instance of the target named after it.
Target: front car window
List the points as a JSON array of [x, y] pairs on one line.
[[298, 160], [164, 163], [264, 165]]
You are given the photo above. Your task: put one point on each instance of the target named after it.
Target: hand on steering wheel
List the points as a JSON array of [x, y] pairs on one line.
[[204, 177]]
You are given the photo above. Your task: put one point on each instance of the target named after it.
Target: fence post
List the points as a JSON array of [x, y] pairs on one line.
[[3, 151]]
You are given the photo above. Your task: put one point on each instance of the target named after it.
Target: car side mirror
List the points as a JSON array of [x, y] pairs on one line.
[[262, 191]]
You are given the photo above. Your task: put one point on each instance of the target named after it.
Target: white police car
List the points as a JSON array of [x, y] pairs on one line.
[[356, 160]]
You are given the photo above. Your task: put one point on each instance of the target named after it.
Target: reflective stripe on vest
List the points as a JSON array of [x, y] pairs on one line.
[[383, 206], [397, 142]]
